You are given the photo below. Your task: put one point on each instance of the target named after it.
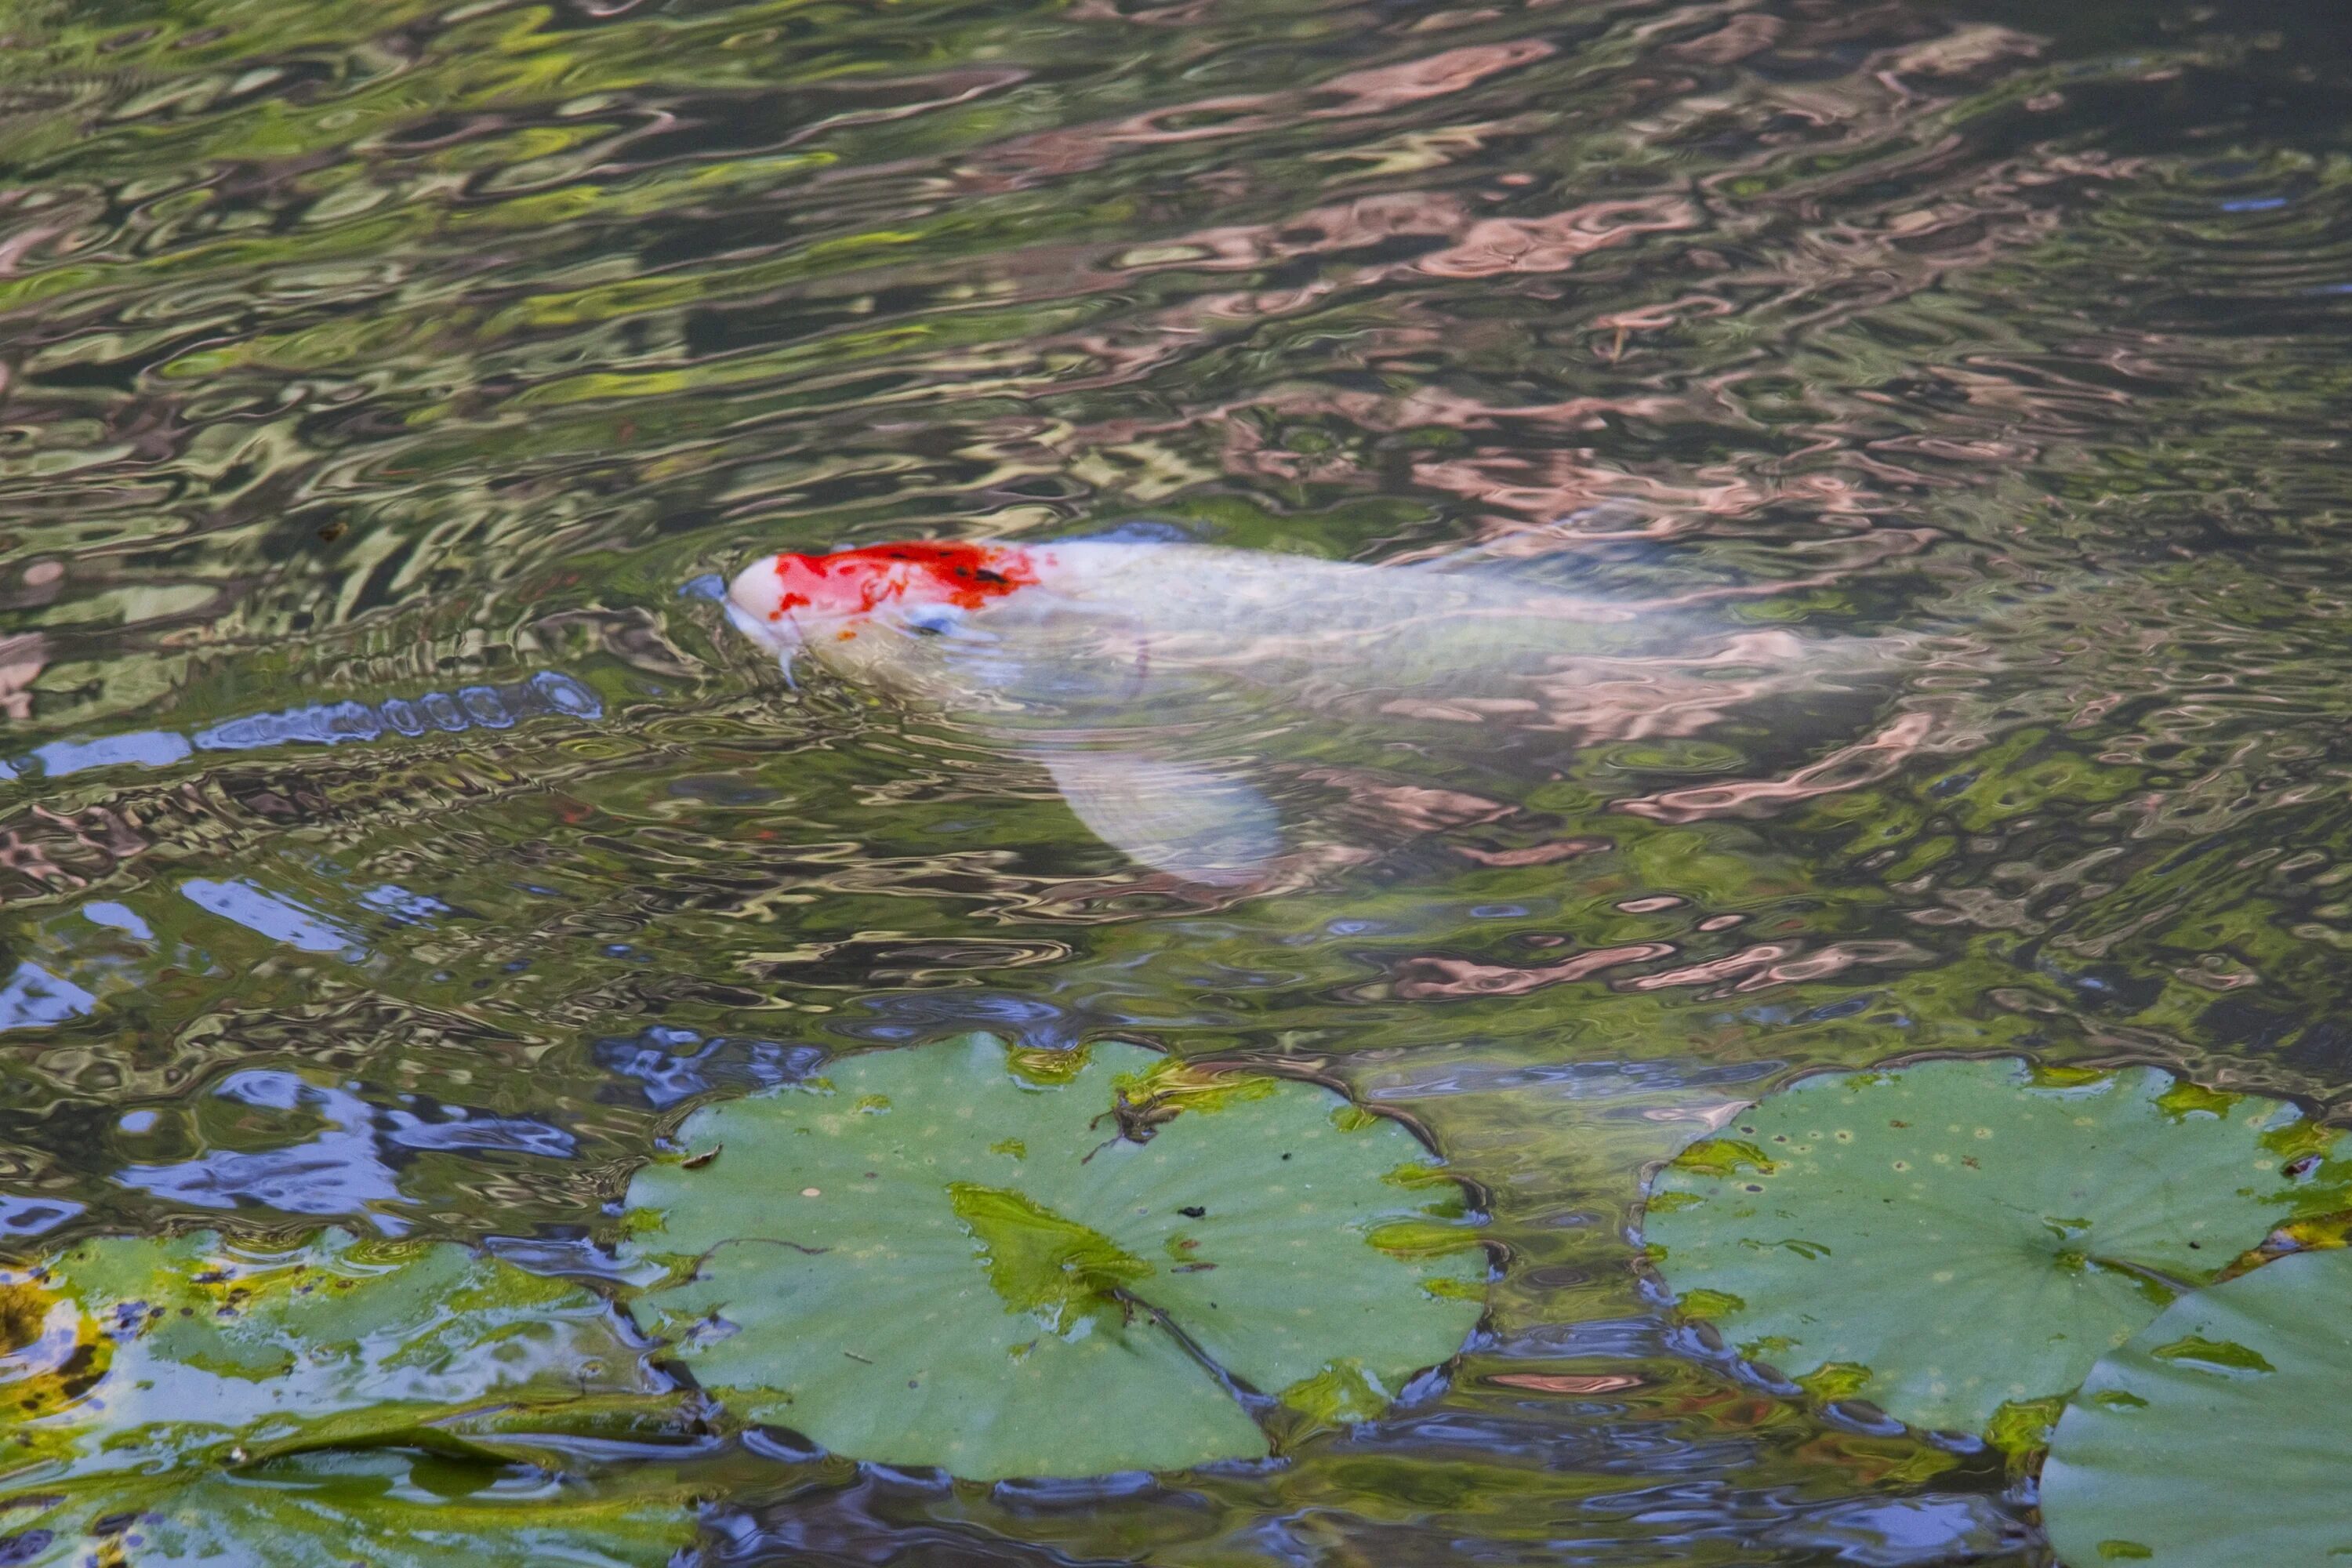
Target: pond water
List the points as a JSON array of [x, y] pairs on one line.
[[394, 835]]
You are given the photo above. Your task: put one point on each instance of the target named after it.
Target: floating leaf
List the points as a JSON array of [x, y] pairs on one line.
[[384, 1508], [1946, 1238], [943, 1256], [129, 1353], [2219, 1434]]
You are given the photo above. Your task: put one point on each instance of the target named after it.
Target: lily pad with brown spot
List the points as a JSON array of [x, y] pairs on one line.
[[942, 1257]]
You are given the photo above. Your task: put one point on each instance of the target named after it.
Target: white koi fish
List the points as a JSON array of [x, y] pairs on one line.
[[1154, 680]]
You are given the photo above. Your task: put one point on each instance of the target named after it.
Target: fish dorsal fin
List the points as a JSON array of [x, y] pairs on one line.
[[1193, 821]]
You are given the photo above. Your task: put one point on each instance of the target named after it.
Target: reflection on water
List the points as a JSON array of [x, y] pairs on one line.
[[391, 828]]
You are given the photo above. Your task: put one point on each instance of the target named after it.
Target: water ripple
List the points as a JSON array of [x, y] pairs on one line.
[[391, 829]]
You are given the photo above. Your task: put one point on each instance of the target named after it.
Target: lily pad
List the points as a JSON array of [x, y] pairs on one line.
[[2218, 1436], [134, 1353], [1951, 1237], [383, 1508], [1001, 1264]]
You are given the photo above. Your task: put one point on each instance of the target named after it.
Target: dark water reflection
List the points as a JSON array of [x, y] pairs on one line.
[[393, 832]]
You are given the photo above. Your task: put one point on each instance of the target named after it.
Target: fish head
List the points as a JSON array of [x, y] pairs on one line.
[[913, 621], [882, 615]]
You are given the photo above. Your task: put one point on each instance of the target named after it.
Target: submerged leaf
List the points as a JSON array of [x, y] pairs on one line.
[[142, 1353], [1946, 1238], [384, 1508], [943, 1256], [2218, 1437]]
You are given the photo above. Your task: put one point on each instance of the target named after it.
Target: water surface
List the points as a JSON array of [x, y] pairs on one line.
[[392, 833]]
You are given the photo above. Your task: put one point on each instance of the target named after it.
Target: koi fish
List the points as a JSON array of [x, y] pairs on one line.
[[1156, 683]]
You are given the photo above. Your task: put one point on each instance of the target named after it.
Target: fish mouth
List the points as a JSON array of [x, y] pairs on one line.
[[753, 605], [780, 636]]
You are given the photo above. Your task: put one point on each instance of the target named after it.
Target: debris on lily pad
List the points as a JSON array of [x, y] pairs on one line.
[[2218, 1436], [385, 1508], [133, 1353], [1953, 1238], [1006, 1263]]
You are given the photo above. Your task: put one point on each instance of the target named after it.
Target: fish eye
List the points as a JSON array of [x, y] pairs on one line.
[[933, 620]]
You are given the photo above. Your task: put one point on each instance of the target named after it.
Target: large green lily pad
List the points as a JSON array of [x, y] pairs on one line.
[[377, 1507], [2218, 1436], [1950, 1237], [954, 1256], [153, 1354]]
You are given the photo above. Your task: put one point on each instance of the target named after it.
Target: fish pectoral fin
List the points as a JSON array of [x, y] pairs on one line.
[[1193, 821]]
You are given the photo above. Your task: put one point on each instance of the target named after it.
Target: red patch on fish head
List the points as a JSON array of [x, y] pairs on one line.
[[858, 581]]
